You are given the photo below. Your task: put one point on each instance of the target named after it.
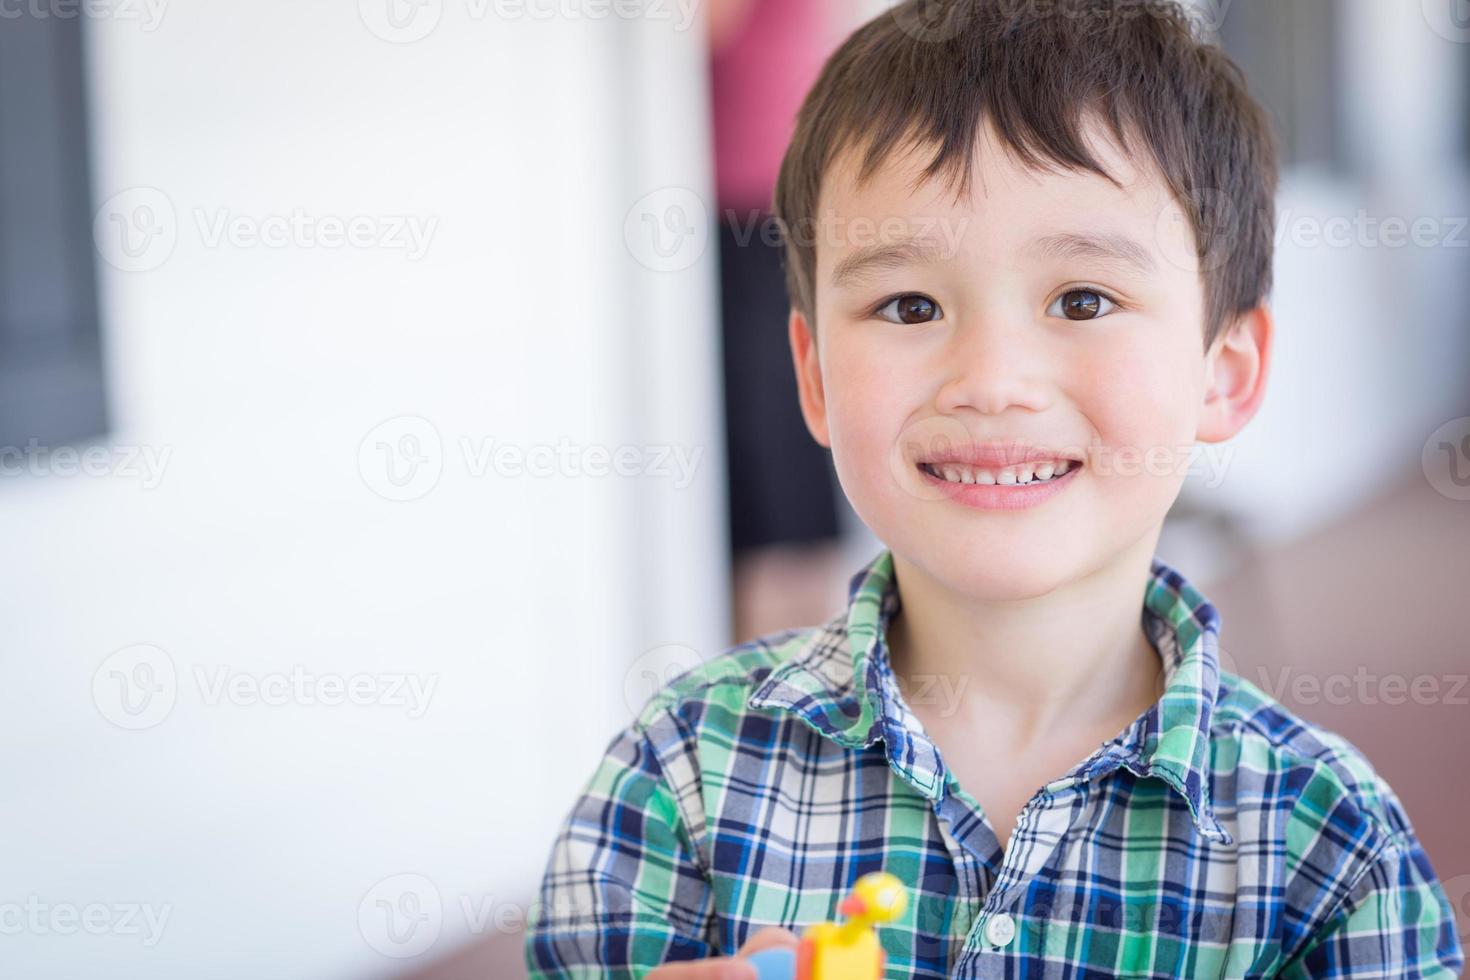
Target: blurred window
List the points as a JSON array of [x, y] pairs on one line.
[[1291, 57], [51, 382]]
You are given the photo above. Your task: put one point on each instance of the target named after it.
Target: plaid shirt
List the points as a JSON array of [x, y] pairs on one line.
[[1219, 835]]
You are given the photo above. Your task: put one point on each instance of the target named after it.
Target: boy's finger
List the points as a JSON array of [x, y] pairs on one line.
[[720, 968], [771, 937], [727, 967]]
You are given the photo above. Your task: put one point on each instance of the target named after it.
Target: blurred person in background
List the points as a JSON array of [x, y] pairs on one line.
[[784, 522]]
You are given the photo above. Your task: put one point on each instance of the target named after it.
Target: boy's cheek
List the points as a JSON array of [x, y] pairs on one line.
[[862, 454], [1140, 399], [1141, 459]]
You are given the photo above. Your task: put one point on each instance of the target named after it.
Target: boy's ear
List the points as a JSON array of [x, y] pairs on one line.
[[808, 377], [1235, 375]]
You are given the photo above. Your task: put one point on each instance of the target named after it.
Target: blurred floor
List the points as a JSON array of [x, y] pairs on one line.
[[1383, 590], [785, 586]]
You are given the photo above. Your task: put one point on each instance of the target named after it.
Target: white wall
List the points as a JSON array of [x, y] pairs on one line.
[[255, 373]]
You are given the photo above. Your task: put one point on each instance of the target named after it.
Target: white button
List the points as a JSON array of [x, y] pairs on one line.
[[1000, 930]]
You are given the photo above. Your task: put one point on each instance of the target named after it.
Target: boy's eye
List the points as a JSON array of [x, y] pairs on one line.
[[910, 308], [1082, 304]]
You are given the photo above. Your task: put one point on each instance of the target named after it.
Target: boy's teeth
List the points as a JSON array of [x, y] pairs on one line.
[[1010, 476]]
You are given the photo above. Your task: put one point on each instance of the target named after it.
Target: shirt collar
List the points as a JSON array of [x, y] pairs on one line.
[[840, 683]]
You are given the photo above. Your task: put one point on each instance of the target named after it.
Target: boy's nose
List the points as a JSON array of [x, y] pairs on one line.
[[989, 368]]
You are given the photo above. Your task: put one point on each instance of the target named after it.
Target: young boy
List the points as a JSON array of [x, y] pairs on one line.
[[1029, 250]]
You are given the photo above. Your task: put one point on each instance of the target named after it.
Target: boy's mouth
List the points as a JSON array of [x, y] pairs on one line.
[[999, 465], [1020, 475]]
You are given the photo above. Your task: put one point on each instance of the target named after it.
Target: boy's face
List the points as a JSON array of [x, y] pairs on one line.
[[1060, 311]]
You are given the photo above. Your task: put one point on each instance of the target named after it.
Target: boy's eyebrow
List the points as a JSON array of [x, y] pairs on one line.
[[885, 255], [852, 269], [1116, 248]]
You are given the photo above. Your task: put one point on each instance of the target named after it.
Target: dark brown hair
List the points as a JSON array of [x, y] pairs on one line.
[[931, 71]]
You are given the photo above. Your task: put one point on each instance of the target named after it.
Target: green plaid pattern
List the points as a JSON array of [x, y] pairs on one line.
[[1219, 835]]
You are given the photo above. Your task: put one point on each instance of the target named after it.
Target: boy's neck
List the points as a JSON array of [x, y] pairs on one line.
[[1066, 660]]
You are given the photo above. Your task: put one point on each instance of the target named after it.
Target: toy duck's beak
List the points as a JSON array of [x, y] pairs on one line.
[[852, 906]]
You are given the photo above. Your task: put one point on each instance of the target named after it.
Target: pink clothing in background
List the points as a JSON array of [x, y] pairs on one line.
[[757, 82]]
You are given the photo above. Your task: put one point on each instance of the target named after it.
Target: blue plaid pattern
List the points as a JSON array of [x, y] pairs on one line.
[[1218, 835]]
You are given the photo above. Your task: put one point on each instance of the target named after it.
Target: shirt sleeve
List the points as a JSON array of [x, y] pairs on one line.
[[1396, 921], [625, 888]]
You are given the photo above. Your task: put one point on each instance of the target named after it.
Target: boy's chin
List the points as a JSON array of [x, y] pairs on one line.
[[986, 571]]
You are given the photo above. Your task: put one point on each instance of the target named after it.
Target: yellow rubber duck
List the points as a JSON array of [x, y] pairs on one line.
[[850, 950]]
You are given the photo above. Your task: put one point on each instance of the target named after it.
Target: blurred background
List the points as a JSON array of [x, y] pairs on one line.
[[394, 392]]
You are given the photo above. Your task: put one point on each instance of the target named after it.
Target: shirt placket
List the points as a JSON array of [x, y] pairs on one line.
[[996, 883], [973, 876], [986, 878], [1001, 931], [987, 883]]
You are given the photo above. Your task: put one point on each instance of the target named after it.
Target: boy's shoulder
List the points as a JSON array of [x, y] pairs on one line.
[[1256, 738]]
